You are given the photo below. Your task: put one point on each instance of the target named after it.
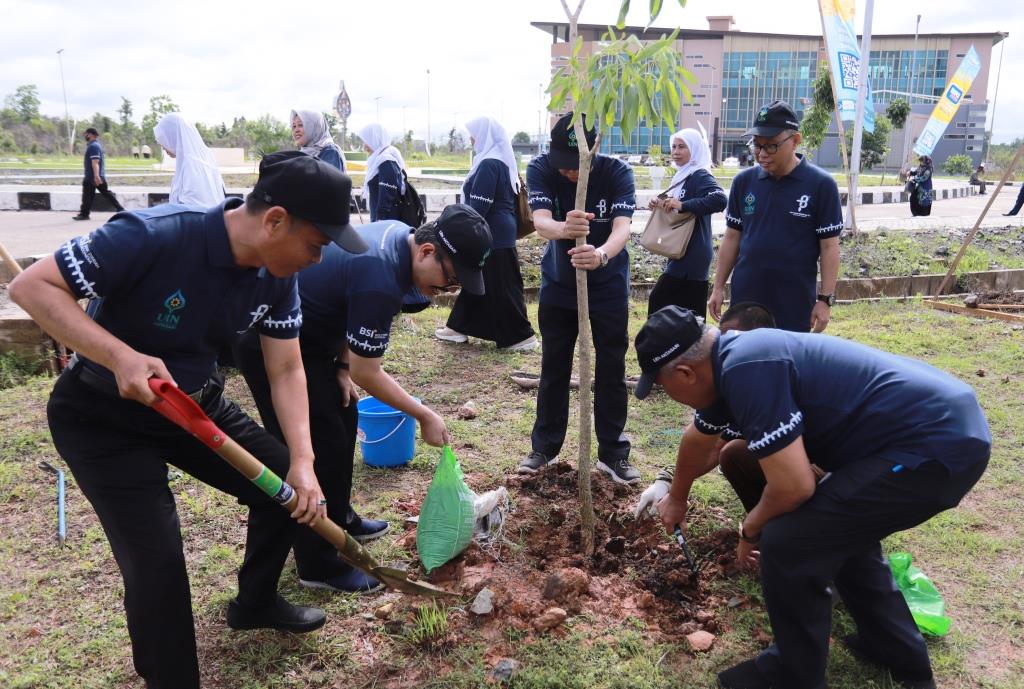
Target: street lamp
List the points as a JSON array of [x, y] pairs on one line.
[[910, 98], [67, 118], [378, 108], [428, 113]]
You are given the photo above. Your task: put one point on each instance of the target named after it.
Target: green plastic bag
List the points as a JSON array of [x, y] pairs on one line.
[[923, 599], [446, 520]]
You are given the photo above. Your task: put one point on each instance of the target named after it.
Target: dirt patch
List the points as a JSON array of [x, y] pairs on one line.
[[1004, 298]]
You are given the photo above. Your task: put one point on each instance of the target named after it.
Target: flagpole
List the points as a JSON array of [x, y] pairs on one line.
[[839, 116], [862, 87]]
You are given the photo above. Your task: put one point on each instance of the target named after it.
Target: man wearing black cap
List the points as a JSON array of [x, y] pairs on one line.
[[168, 288], [782, 217], [348, 303], [611, 199], [900, 442]]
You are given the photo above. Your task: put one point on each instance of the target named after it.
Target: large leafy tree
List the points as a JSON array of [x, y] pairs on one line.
[[158, 107], [25, 102], [623, 83]]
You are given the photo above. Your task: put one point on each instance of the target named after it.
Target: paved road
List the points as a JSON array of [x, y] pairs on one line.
[[26, 233]]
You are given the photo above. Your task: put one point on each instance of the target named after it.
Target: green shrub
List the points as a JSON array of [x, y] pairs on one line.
[[958, 165]]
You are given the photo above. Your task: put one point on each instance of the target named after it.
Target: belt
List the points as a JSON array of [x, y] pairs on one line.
[[103, 384]]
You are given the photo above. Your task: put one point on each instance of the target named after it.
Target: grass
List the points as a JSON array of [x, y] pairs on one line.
[[64, 625]]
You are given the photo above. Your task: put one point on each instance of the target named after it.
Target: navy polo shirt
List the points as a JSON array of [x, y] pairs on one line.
[[489, 191], [701, 195], [848, 401], [352, 298], [93, 151], [611, 193], [164, 280], [782, 222]]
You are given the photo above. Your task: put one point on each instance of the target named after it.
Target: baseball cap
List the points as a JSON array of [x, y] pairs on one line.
[[667, 333], [564, 153], [310, 190], [773, 118], [465, 236]]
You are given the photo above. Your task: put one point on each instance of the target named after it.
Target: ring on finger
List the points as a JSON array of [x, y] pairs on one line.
[[322, 501]]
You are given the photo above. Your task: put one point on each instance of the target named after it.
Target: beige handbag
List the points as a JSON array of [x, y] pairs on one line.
[[668, 233]]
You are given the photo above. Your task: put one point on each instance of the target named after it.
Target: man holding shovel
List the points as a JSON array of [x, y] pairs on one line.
[[902, 441], [348, 304], [168, 288]]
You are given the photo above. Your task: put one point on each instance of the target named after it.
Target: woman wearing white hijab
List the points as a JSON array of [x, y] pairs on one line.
[[196, 182], [491, 187], [685, 280], [311, 135], [384, 183]]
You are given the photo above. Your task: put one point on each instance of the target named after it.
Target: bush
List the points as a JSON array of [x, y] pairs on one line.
[[958, 165]]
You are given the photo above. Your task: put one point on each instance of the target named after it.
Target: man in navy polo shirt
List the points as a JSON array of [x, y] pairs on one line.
[[782, 216], [348, 304], [902, 441], [95, 176], [168, 288], [611, 200]]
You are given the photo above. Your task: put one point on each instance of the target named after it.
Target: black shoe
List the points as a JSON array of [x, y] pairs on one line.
[[1009, 214], [353, 581], [535, 461], [281, 615], [79, 217], [746, 675], [620, 470], [860, 651], [366, 530]]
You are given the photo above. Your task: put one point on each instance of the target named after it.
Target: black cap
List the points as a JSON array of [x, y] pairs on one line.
[[773, 118], [666, 334], [564, 154], [465, 236], [312, 191]]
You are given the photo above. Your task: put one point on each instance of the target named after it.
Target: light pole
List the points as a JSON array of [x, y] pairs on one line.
[[540, 117], [995, 98], [67, 118], [910, 89], [428, 113], [378, 108]]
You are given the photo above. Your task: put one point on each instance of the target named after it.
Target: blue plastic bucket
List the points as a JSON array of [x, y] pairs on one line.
[[386, 435]]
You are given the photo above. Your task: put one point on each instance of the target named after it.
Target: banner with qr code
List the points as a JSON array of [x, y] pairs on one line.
[[947, 106], [844, 60]]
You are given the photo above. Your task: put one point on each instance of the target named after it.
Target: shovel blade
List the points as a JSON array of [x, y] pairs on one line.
[[399, 580]]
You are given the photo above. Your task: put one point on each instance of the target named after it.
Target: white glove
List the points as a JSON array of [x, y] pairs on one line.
[[650, 498]]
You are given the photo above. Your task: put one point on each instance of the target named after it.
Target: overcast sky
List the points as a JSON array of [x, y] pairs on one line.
[[221, 58]]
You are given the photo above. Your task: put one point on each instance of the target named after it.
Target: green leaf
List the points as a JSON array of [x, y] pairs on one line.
[[655, 10], [623, 9], [576, 48]]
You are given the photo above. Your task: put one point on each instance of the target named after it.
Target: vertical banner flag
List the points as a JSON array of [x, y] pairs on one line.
[[844, 60], [947, 106]]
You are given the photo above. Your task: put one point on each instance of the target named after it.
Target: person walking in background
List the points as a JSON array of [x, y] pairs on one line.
[[920, 183], [313, 137], [197, 181], [491, 188], [685, 280], [384, 182], [1019, 203], [782, 217], [95, 176]]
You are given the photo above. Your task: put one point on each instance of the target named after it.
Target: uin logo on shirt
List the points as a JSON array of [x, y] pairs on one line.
[[748, 204], [169, 319], [572, 139], [763, 114]]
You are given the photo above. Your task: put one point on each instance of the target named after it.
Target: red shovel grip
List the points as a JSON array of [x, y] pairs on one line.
[[182, 410]]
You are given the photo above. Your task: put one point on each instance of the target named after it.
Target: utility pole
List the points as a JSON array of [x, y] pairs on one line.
[[862, 96], [428, 113], [67, 117], [995, 98], [378, 108], [540, 118], [910, 98]]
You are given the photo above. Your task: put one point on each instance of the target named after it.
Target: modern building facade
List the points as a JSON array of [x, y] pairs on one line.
[[735, 72]]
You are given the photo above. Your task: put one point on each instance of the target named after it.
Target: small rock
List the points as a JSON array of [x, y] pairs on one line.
[[1005, 379], [384, 611], [504, 669], [566, 583], [483, 604], [645, 601], [942, 251], [551, 618], [700, 641], [556, 515], [980, 373], [467, 411], [735, 602], [616, 546], [406, 540], [971, 301], [703, 616], [663, 547], [367, 616]]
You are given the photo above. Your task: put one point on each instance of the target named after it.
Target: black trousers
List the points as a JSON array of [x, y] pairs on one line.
[[118, 451], [498, 315], [89, 189], [559, 328], [1019, 202], [835, 537], [688, 294], [333, 432]]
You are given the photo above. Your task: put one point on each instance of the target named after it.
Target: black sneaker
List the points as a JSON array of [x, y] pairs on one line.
[[79, 217], [534, 461], [281, 615], [858, 649], [366, 530], [353, 581], [746, 675], [620, 470]]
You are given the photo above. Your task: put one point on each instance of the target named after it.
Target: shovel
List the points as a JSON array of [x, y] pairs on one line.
[[180, 409], [692, 562]]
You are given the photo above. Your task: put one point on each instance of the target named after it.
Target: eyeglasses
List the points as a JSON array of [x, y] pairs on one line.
[[770, 149], [451, 283]]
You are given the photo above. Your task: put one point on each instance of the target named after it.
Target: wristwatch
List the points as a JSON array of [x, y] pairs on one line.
[[747, 539], [340, 365], [829, 299], [604, 256]]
